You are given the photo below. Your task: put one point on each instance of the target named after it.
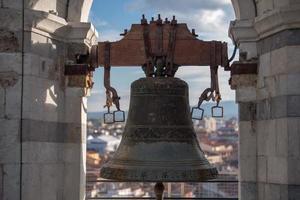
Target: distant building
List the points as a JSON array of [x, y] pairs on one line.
[[210, 124], [96, 144], [103, 143]]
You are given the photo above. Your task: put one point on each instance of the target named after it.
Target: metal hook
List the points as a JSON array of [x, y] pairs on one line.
[[111, 93], [205, 96]]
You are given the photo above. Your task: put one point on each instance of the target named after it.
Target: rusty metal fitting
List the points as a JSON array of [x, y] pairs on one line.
[[144, 20], [124, 33], [194, 33]]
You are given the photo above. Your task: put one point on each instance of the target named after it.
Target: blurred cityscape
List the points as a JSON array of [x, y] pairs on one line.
[[218, 138]]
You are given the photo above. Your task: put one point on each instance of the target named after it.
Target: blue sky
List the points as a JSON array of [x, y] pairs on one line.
[[210, 18]]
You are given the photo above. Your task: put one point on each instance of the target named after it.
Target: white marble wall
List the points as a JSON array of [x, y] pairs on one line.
[[42, 141], [270, 136]]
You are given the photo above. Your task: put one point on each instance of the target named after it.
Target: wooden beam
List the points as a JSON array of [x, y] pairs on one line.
[[130, 51]]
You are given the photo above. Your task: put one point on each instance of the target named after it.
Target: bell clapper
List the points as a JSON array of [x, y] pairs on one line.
[[159, 190]]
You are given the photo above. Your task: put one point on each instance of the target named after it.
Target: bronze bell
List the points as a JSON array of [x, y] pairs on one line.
[[159, 143]]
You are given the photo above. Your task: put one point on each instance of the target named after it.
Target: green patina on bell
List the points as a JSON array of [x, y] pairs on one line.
[[159, 143]]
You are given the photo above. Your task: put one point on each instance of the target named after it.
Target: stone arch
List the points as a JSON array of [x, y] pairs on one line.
[[70, 10], [78, 10], [244, 9]]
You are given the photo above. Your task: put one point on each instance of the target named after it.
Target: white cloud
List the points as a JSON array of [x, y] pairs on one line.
[[175, 5], [96, 20], [210, 18]]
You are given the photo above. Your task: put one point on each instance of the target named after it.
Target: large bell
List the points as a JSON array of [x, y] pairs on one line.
[[159, 143]]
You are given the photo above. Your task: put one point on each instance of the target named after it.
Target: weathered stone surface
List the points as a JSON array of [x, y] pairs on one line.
[[13, 100], [31, 180], [262, 169], [71, 190], [8, 79], [277, 170], [42, 99], [42, 152], [244, 80], [53, 181], [248, 168], [11, 21], [293, 192], [283, 61], [272, 192], [269, 191], [46, 152], [2, 102], [15, 4], [293, 171], [276, 41], [280, 3], [11, 181], [44, 46], [293, 129], [247, 138], [250, 48], [274, 108], [245, 10], [11, 62], [247, 111], [263, 69], [293, 84], [59, 132], [10, 141], [72, 113], [278, 85], [51, 138], [73, 153], [32, 64], [282, 137], [266, 138], [79, 10], [248, 190], [244, 94], [265, 6], [1, 180], [262, 93], [260, 191], [8, 41]]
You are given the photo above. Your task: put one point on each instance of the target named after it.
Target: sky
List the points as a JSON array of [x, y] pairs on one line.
[[210, 19]]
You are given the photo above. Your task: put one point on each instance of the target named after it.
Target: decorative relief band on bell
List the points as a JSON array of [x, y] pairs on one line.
[[160, 133], [180, 164], [166, 175]]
